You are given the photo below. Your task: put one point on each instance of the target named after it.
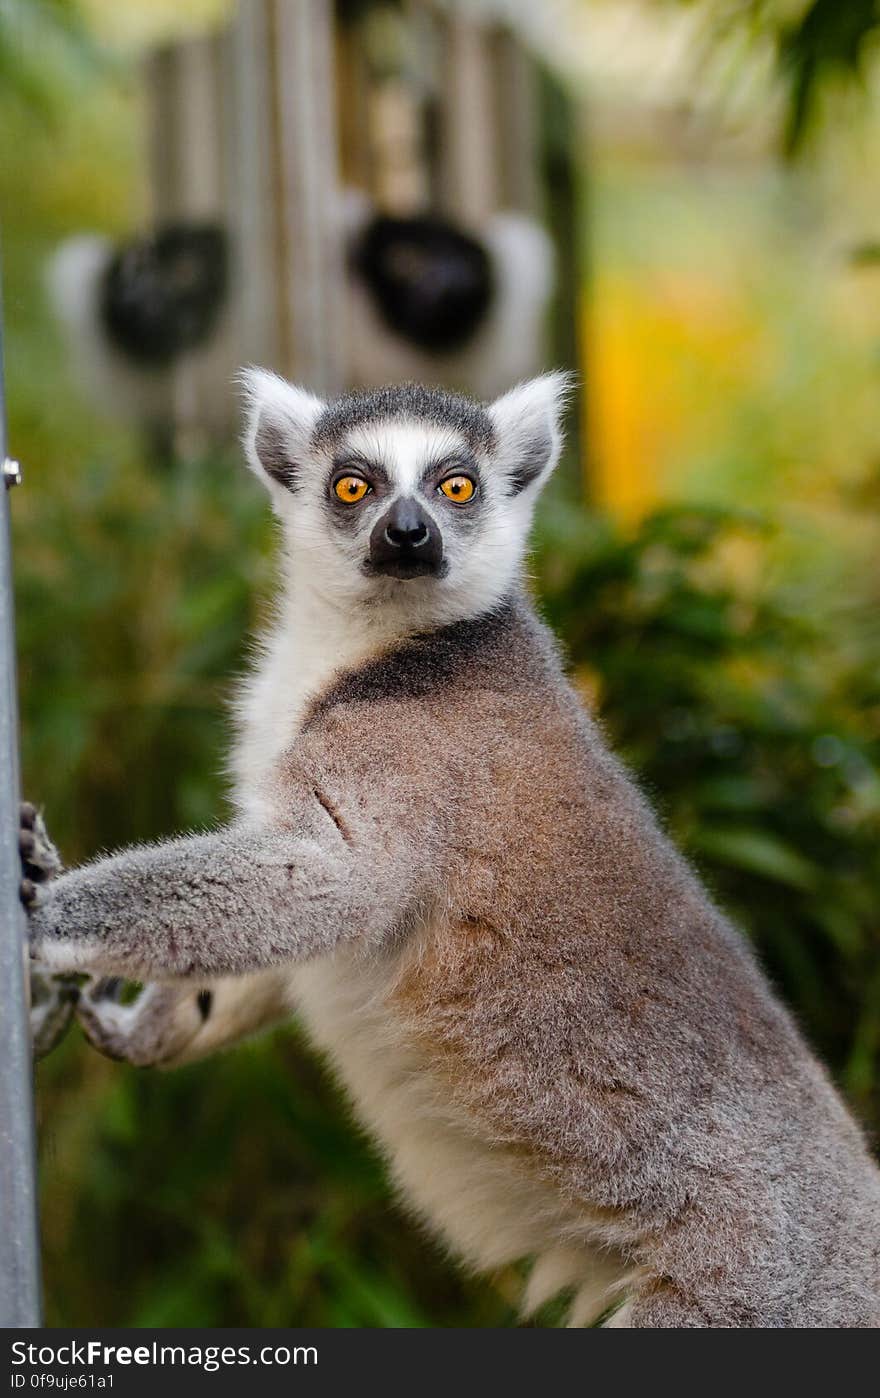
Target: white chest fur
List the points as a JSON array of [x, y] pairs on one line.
[[299, 656]]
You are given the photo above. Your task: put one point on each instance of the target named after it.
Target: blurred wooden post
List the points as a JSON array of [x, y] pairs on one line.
[[186, 87], [400, 181], [185, 83], [309, 254], [429, 45], [469, 152], [249, 214], [19, 1237], [515, 97], [352, 109], [284, 187]]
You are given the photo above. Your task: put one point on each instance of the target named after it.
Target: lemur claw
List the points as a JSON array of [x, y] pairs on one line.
[[53, 998], [40, 860], [53, 1001]]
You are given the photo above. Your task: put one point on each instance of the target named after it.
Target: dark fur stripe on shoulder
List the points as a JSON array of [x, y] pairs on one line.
[[497, 648]]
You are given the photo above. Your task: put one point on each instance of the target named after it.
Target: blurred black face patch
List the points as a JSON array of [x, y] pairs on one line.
[[430, 283], [162, 294]]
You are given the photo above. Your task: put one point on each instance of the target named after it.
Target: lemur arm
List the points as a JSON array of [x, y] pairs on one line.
[[235, 901]]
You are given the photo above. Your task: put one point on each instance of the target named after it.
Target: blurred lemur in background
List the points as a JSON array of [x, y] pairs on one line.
[[425, 299], [131, 311], [564, 1050]]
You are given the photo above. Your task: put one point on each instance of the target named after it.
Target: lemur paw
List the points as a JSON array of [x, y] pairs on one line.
[[53, 1001], [154, 1029], [40, 860], [53, 998]]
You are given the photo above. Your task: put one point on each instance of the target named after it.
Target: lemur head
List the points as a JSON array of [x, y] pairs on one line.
[[408, 497]]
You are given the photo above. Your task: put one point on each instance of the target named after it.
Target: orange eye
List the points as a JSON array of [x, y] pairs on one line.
[[457, 488], [350, 489]]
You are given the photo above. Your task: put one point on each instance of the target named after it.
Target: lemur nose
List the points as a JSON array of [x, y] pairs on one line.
[[406, 542], [405, 526]]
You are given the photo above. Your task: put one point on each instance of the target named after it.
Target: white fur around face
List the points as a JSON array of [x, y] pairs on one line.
[[74, 279], [331, 615], [404, 448]]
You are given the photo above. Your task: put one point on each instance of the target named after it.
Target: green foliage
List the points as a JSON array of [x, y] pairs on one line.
[[757, 732], [46, 52], [236, 1192], [827, 41], [135, 597], [819, 44]]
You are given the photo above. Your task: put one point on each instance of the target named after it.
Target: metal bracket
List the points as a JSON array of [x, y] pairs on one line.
[[11, 473]]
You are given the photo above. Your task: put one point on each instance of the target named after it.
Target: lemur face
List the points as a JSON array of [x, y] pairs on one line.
[[408, 496]]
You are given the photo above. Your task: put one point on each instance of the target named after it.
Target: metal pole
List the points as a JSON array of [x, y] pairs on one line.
[[19, 1247]]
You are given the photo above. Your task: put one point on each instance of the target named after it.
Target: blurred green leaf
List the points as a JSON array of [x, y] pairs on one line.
[[756, 852]]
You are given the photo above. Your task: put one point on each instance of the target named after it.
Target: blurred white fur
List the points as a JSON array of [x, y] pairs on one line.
[[115, 386]]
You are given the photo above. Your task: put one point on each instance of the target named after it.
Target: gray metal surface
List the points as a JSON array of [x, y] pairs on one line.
[[19, 1248]]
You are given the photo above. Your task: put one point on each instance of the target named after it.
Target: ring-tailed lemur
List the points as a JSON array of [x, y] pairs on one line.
[[565, 1051]]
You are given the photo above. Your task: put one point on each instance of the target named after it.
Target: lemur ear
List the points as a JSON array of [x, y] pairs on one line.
[[279, 420], [527, 426]]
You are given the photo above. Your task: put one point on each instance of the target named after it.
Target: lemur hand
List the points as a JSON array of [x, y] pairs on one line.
[[40, 860], [53, 998], [154, 1030]]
